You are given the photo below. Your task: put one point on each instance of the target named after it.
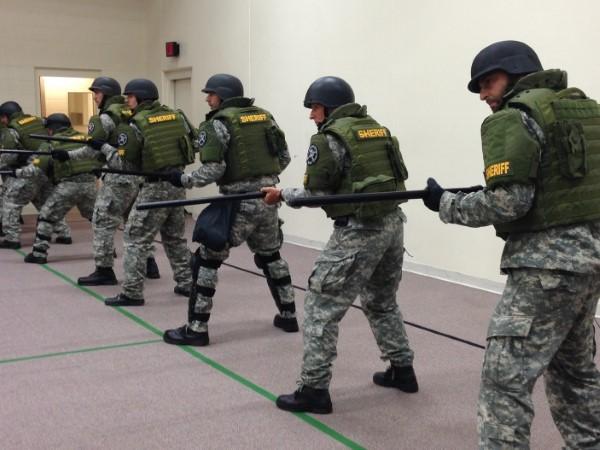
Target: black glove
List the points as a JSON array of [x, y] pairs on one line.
[[96, 144], [433, 195], [60, 155], [174, 177]]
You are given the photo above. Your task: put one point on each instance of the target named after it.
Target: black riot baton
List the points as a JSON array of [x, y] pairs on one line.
[[15, 151], [46, 137], [320, 200], [316, 200], [135, 173], [200, 201]]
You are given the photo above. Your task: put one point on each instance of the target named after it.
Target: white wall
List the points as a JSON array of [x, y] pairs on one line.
[[107, 35], [409, 62]]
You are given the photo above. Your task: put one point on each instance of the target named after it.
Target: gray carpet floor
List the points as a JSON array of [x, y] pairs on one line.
[[79, 375]]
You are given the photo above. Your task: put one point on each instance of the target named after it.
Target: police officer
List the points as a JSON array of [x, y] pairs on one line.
[[541, 153], [19, 192], [75, 185], [117, 192], [242, 149], [351, 153], [158, 140]]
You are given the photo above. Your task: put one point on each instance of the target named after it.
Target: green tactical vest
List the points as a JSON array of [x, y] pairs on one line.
[[255, 141], [118, 112], [377, 164], [65, 169], [24, 124], [566, 172], [167, 142]]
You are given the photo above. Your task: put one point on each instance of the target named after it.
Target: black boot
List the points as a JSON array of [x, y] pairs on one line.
[[152, 269], [123, 300], [185, 336], [403, 378], [182, 291], [10, 244], [102, 276], [31, 258], [65, 240], [287, 324], [306, 399]]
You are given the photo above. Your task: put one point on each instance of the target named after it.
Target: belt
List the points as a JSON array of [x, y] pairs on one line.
[[152, 179]]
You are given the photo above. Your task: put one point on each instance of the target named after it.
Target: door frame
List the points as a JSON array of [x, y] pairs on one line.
[[58, 72], [168, 87]]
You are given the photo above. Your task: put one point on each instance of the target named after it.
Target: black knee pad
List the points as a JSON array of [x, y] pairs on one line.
[[261, 261]]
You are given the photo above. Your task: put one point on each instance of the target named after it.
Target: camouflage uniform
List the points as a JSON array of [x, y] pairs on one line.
[[361, 258], [543, 324], [19, 192], [256, 223], [143, 225], [114, 198]]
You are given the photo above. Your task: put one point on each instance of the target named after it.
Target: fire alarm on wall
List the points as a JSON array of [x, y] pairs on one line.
[[172, 49]]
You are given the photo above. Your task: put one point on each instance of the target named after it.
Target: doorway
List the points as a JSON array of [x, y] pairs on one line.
[[70, 96]]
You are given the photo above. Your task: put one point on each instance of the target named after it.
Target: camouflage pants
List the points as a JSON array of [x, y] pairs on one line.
[[258, 225], [64, 196], [19, 192], [112, 202], [140, 230], [542, 325], [355, 261]]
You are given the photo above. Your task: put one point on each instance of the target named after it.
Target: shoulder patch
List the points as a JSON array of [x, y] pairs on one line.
[[312, 156], [91, 127], [122, 139], [202, 138]]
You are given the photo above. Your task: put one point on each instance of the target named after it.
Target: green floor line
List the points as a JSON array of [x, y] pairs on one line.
[[315, 423], [81, 350]]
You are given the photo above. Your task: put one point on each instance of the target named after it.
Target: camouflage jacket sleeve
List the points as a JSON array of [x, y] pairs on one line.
[[283, 154], [342, 164], [213, 171], [87, 152], [11, 140], [487, 207]]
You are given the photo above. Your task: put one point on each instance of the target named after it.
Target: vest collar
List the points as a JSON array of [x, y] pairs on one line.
[[147, 104], [347, 110], [554, 79], [233, 102], [115, 99]]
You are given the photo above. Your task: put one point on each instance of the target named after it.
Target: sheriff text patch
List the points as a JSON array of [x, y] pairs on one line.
[[162, 118], [498, 169], [251, 118], [372, 133]]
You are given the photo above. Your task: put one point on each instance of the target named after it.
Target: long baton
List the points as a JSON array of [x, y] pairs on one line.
[[308, 201], [200, 201], [320, 200], [131, 172], [15, 151], [46, 137]]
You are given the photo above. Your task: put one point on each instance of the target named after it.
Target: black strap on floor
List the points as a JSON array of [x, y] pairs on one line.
[[412, 324]]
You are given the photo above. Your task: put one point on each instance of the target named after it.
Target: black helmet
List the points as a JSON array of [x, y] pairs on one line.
[[330, 92], [143, 89], [9, 108], [513, 57], [225, 86], [58, 121], [108, 86]]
